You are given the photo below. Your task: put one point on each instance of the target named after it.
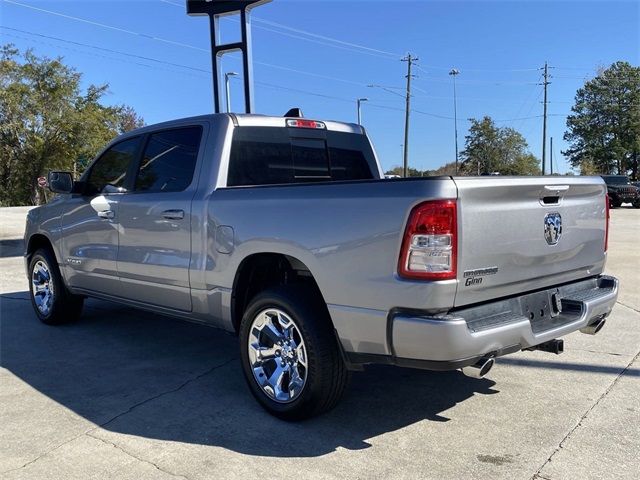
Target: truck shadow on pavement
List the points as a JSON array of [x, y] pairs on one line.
[[11, 248], [149, 376]]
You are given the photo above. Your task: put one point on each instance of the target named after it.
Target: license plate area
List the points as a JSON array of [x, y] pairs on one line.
[[536, 306], [541, 305]]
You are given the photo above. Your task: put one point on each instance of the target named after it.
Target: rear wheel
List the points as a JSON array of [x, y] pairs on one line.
[[290, 355], [51, 300]]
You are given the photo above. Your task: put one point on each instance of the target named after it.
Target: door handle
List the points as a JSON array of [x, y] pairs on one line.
[[173, 214], [106, 214]]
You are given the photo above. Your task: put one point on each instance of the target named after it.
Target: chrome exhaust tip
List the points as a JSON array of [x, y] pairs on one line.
[[594, 327], [479, 369]]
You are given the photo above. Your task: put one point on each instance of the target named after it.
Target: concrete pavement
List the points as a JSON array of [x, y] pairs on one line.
[[128, 394]]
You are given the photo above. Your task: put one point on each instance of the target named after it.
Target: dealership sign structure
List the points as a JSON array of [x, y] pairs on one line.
[[217, 9]]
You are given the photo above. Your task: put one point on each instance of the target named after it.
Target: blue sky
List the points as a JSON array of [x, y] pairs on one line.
[[498, 46]]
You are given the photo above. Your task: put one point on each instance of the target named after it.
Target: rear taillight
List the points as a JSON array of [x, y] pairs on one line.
[[606, 226], [429, 246], [304, 123]]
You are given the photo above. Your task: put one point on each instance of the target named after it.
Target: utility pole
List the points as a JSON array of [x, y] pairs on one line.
[[551, 155], [409, 59], [454, 73], [544, 118], [359, 102]]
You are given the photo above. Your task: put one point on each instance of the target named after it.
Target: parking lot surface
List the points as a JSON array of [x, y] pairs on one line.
[[131, 395]]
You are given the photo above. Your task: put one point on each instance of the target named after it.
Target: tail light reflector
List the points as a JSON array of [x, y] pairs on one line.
[[606, 227], [429, 245]]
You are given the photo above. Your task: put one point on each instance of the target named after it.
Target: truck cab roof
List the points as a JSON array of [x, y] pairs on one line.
[[252, 120]]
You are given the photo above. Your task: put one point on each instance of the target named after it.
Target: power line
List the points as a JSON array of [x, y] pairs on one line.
[[426, 68], [345, 45], [208, 72], [195, 69], [351, 46], [93, 54], [103, 25], [319, 42], [193, 47], [95, 47], [517, 119], [531, 94], [324, 37]]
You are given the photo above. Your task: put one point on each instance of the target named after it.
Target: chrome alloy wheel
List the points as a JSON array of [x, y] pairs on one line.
[[277, 355], [42, 287]]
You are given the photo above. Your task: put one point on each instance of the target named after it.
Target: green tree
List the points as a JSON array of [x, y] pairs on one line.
[[446, 169], [47, 122], [411, 172], [491, 149], [604, 128]]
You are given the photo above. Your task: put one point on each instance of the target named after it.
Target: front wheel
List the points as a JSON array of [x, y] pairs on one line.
[[51, 300], [290, 356]]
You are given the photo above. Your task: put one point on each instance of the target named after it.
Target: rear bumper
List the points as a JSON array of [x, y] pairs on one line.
[[497, 328]]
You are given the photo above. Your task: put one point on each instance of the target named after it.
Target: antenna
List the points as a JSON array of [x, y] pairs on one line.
[[216, 9]]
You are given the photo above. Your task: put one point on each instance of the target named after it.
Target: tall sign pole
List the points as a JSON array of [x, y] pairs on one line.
[[405, 163], [216, 9]]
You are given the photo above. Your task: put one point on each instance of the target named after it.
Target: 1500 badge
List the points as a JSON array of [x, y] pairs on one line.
[[474, 277]]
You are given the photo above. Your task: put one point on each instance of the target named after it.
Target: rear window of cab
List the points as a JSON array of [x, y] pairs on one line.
[[275, 155]]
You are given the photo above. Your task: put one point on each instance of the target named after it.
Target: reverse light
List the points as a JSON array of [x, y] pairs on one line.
[[429, 245], [304, 123], [606, 226]]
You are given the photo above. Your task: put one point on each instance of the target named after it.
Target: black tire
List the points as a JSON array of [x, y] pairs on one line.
[[326, 376], [615, 203], [64, 307]]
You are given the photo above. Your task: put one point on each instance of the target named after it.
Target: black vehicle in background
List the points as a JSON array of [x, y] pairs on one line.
[[621, 191]]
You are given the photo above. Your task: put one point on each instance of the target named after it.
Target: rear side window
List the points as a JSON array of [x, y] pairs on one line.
[[269, 156], [351, 157], [109, 172], [169, 160]]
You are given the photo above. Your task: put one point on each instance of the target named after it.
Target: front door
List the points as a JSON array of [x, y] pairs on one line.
[[155, 221], [90, 221]]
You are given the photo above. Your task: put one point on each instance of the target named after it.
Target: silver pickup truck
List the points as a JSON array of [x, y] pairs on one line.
[[284, 231]]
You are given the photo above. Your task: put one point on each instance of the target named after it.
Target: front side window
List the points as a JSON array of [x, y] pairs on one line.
[[109, 172], [169, 160]]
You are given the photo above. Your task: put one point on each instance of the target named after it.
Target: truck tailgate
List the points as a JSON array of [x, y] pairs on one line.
[[518, 234]]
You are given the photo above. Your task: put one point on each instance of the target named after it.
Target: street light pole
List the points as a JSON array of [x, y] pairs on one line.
[[359, 102], [227, 76], [455, 72]]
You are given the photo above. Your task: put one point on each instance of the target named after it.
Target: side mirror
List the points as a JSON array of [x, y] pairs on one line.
[[60, 182]]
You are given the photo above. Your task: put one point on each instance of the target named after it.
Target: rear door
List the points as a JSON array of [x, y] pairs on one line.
[[155, 220], [521, 234]]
